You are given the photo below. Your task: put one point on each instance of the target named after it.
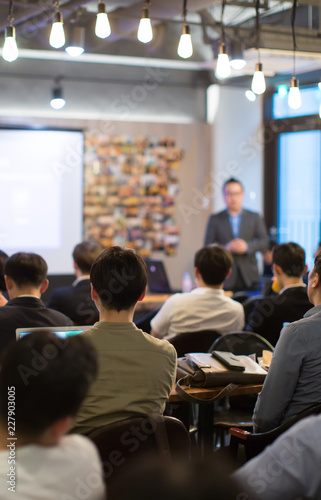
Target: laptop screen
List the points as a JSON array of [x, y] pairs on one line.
[[61, 331], [157, 277]]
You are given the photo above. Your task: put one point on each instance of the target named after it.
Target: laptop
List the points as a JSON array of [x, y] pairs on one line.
[[157, 277], [61, 331]]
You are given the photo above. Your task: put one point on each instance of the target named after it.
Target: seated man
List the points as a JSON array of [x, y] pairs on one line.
[[206, 307], [289, 468], [291, 303], [136, 371], [43, 380], [75, 301], [293, 380], [25, 277]]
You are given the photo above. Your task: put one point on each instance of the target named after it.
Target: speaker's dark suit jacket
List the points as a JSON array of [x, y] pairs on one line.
[[253, 231], [75, 302], [25, 312], [270, 313]]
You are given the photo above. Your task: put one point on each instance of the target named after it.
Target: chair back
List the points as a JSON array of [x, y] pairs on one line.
[[193, 341], [239, 342], [122, 444], [255, 443]]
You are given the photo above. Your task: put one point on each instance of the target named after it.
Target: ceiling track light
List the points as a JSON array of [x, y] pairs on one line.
[[57, 101], [185, 46], [102, 29], [145, 32], [223, 68], [76, 45], [294, 99], [258, 82], [10, 49], [57, 35]]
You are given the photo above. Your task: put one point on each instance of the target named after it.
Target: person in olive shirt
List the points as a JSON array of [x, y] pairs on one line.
[[136, 371]]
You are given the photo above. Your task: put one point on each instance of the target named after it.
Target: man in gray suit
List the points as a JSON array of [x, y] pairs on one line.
[[242, 232]]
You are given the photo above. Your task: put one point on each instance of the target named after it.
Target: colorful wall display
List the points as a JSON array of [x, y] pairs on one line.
[[130, 191]]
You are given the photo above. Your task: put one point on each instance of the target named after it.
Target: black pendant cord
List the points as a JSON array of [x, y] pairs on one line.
[[10, 13], [222, 24], [293, 32], [257, 23], [184, 10]]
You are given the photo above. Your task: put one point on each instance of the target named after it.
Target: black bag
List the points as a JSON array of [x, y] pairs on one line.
[[205, 376]]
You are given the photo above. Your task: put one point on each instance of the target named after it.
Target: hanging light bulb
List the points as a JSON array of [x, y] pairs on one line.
[[102, 29], [76, 46], [250, 95], [10, 49], [237, 60], [57, 101], [294, 100], [185, 46], [258, 82], [57, 34], [223, 68], [145, 32]]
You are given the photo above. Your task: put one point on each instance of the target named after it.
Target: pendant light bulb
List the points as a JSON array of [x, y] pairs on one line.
[[57, 34], [258, 82], [102, 29], [223, 68], [76, 46], [185, 46], [57, 101], [145, 32], [294, 100], [10, 49]]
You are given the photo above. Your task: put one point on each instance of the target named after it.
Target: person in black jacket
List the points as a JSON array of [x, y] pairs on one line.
[[25, 276], [75, 300], [291, 303]]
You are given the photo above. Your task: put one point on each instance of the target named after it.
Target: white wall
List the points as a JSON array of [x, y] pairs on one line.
[[237, 144]]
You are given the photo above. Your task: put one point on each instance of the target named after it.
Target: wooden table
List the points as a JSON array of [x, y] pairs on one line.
[[150, 302], [206, 411], [210, 392]]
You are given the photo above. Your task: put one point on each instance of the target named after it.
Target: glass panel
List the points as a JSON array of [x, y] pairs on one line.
[[311, 98], [299, 190]]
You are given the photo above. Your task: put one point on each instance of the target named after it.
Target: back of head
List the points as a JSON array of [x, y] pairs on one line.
[[119, 276], [213, 263], [50, 378], [85, 253], [317, 264], [291, 258], [26, 269], [3, 258]]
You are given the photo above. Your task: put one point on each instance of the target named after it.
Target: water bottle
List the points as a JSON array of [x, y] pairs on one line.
[[187, 283]]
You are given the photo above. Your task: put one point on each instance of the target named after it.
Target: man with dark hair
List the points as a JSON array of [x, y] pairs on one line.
[[75, 301], [291, 303], [293, 380], [242, 232], [206, 307], [43, 381], [136, 371], [26, 279], [3, 288]]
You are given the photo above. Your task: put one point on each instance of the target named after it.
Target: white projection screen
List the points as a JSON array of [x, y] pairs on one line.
[[41, 202]]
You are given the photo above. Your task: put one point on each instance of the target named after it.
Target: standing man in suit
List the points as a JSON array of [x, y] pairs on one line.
[[242, 232], [25, 276], [75, 300]]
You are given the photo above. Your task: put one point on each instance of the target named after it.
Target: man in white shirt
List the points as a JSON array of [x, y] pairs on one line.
[[43, 381], [206, 307]]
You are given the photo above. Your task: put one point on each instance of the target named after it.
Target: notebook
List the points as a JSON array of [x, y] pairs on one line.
[[157, 277], [61, 331]]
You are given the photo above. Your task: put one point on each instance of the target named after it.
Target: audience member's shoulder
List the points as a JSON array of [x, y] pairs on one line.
[[160, 344], [58, 316], [76, 443]]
